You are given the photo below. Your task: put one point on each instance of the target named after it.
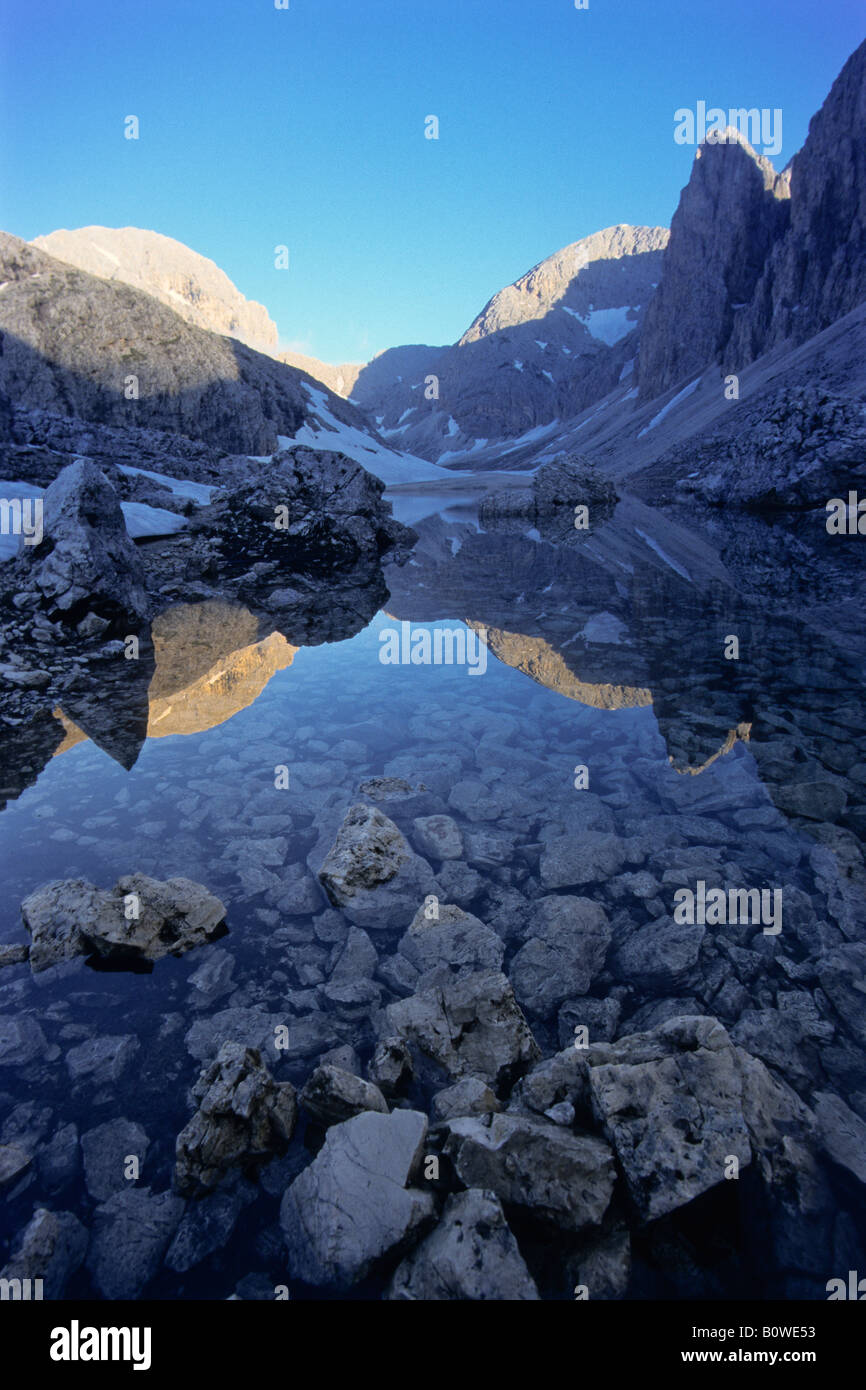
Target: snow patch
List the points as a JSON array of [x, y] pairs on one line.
[[680, 396]]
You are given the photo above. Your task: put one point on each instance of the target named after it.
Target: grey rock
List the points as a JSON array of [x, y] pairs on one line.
[[471, 1096], [565, 1178], [660, 955], [51, 1248], [129, 1236], [352, 1204], [105, 1150], [206, 1226], [452, 942], [842, 1133], [243, 1117], [332, 1095], [566, 951], [438, 837], [60, 1159], [571, 861], [471, 1026], [603, 1266], [101, 1060], [391, 1066], [678, 1102], [71, 917], [472, 1255], [21, 1041], [13, 1162], [86, 557], [372, 873]]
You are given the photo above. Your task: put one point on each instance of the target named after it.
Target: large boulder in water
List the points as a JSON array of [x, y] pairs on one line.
[[85, 561]]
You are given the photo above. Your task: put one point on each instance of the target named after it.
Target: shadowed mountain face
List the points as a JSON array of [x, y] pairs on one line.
[[543, 348], [758, 258], [76, 345]]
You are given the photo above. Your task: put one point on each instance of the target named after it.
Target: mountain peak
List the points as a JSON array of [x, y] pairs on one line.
[[190, 284]]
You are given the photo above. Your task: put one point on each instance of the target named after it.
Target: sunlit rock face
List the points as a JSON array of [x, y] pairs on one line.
[[209, 665], [536, 658]]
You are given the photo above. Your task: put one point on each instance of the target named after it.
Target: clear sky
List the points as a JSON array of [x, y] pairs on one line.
[[305, 127]]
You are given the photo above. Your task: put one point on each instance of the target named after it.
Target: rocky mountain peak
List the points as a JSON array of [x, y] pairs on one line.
[[190, 284], [561, 279], [733, 209]]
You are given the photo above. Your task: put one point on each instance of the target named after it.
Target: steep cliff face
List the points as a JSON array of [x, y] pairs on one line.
[[77, 345], [817, 270], [731, 212], [757, 258]]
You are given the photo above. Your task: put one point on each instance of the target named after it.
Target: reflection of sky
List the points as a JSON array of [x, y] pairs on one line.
[[87, 816]]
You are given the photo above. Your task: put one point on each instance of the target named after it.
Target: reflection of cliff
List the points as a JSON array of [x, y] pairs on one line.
[[209, 666], [741, 733], [536, 658], [196, 685]]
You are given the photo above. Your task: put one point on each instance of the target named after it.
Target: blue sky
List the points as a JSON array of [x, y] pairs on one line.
[[305, 127]]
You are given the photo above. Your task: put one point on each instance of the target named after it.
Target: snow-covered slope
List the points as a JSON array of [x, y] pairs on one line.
[[324, 431]]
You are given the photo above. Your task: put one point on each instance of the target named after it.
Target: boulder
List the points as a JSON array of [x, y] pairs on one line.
[[567, 1179], [372, 873], [243, 1117], [70, 917], [106, 1149], [659, 956], [570, 861], [679, 1102], [129, 1236], [451, 943], [569, 940], [51, 1248], [439, 837], [85, 562], [332, 1095], [352, 1204], [471, 1026], [472, 1255]]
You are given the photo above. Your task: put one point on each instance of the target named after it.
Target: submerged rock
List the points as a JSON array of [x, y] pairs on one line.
[[451, 943], [471, 1026], [372, 873], [567, 949], [129, 1237], [52, 1248]]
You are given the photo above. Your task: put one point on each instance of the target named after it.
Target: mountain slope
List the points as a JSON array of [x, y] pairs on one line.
[[542, 349], [73, 345]]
